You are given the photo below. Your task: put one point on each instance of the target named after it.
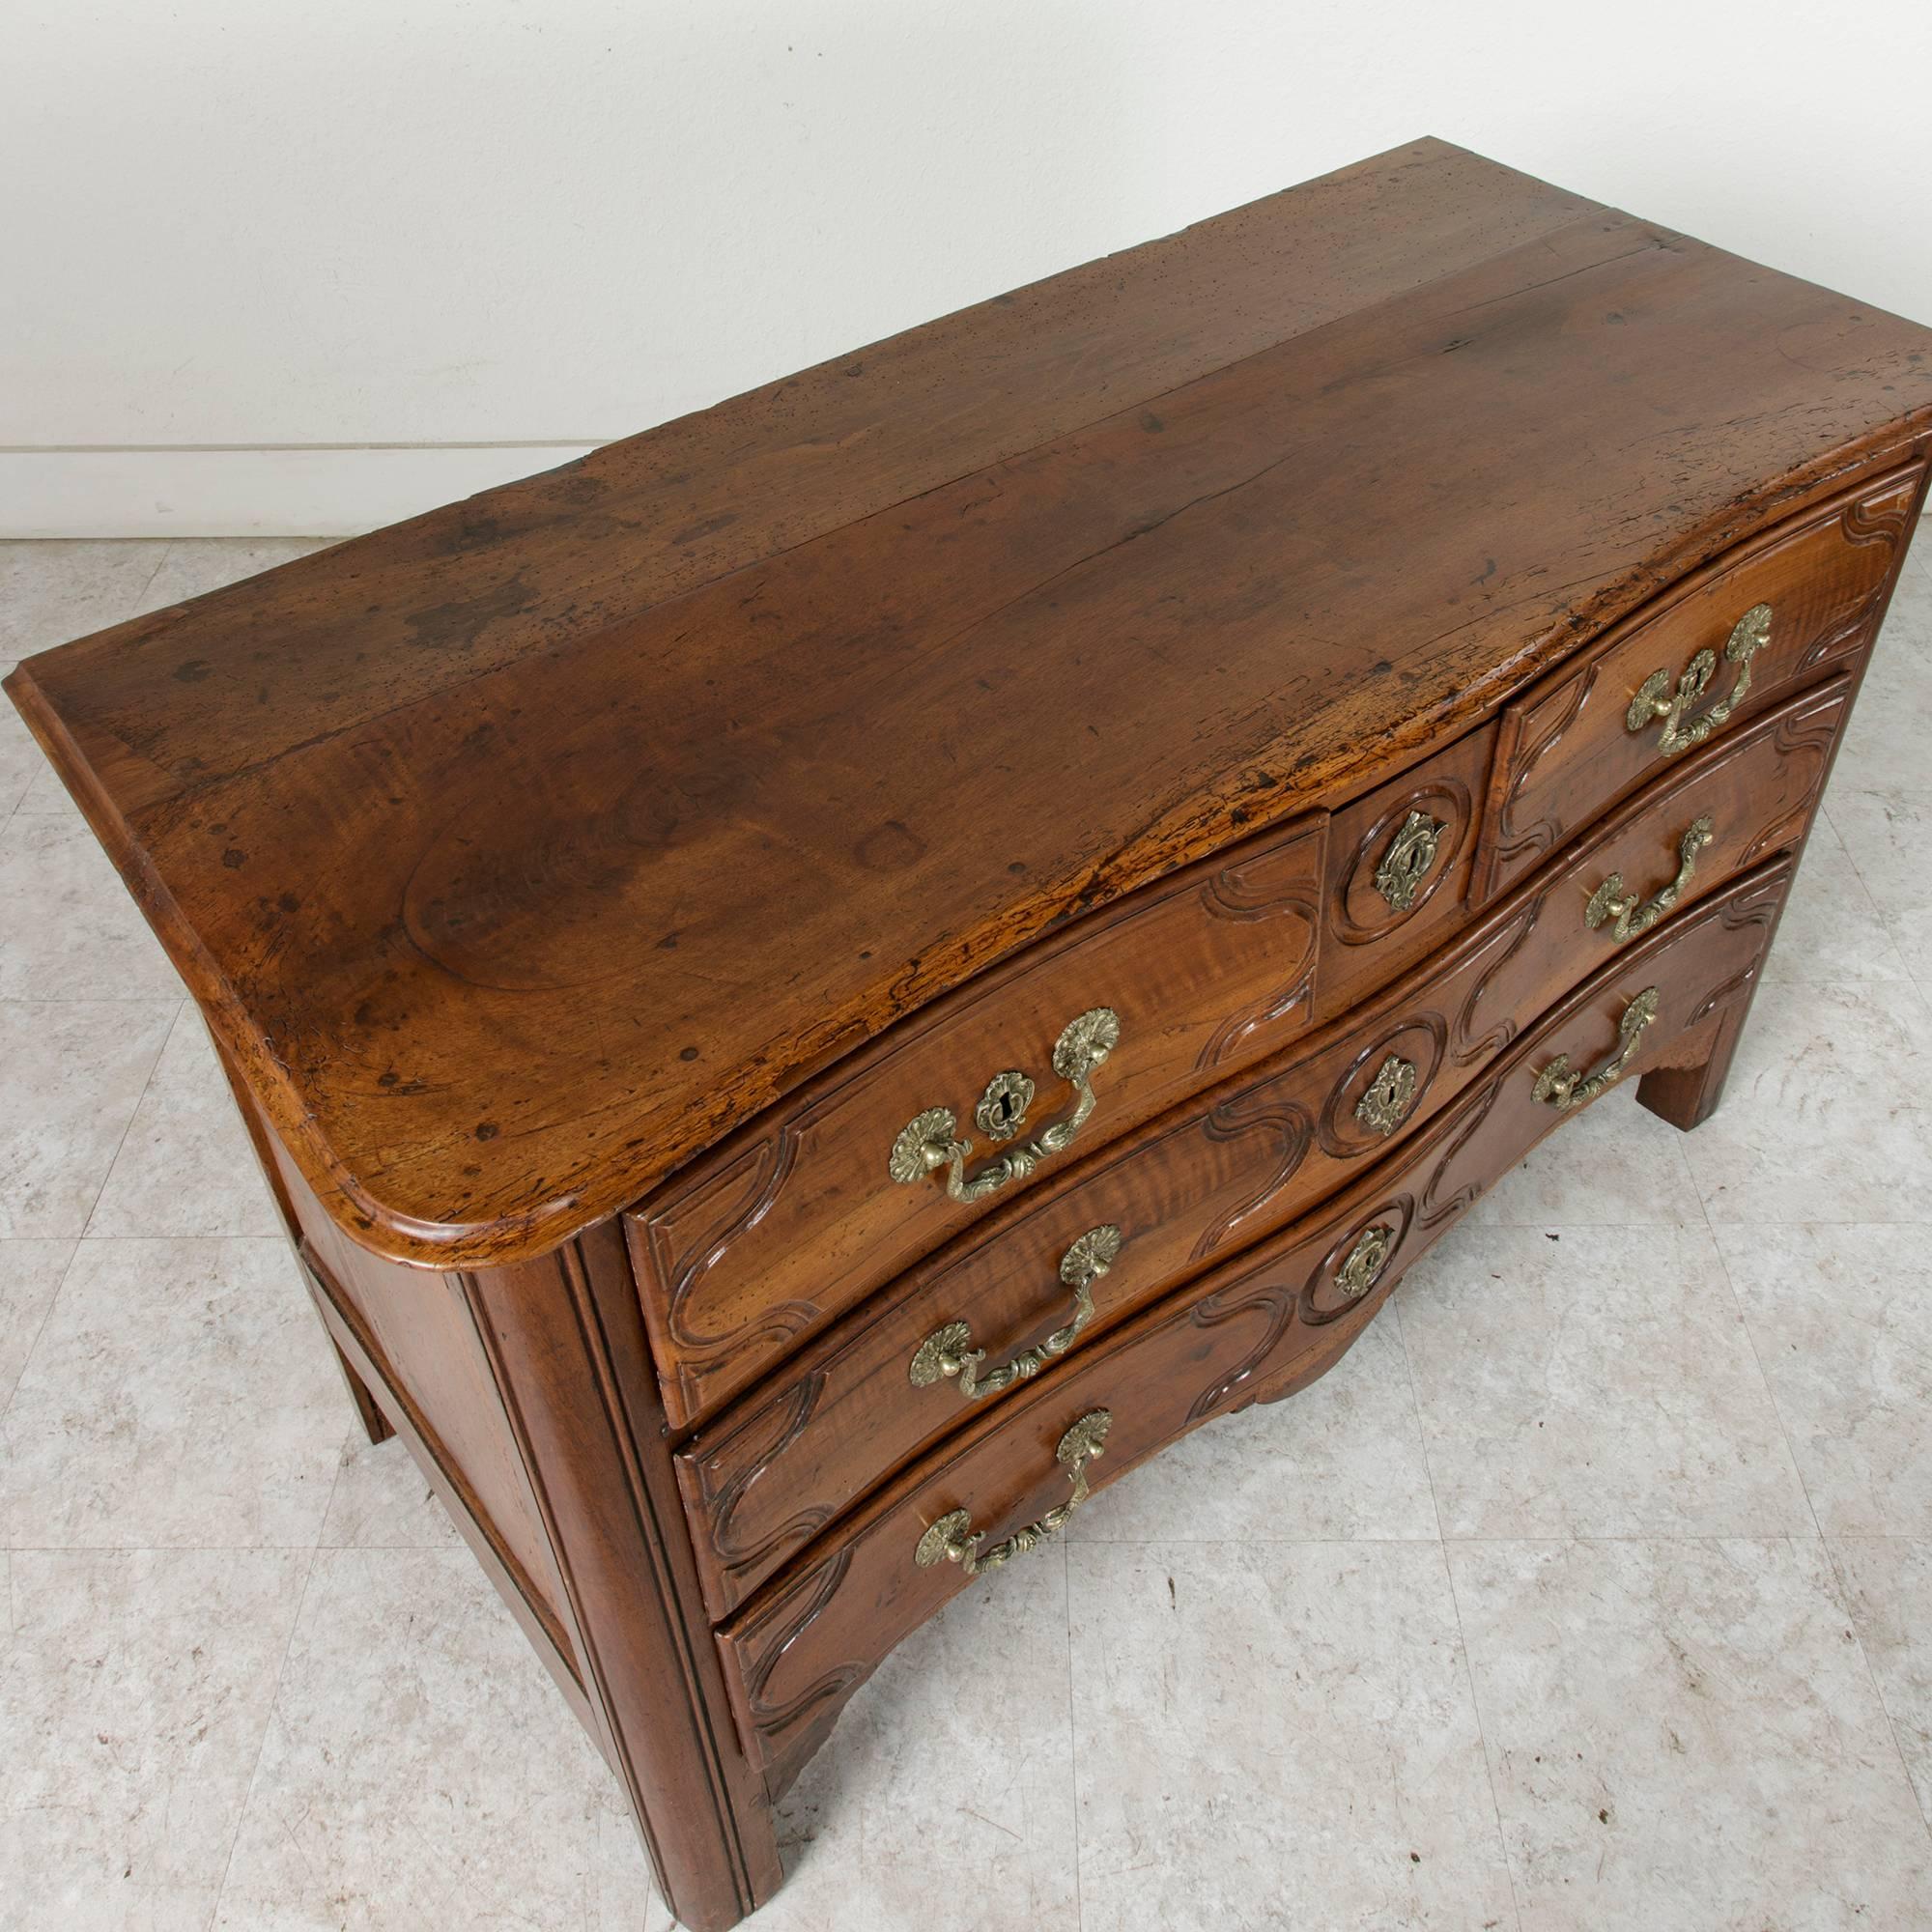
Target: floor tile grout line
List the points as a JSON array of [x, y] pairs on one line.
[[1657, 1227], [281, 1670], [89, 999], [1878, 1688], [1550, 1537], [1768, 1534], [1456, 1608], [1482, 1730], [181, 1549], [1870, 897], [1757, 1360], [1072, 1730], [350, 1437], [41, 1326], [140, 600], [1885, 924], [1811, 1508], [282, 1240], [262, 1743], [79, 1239], [133, 1114], [1394, 1307]]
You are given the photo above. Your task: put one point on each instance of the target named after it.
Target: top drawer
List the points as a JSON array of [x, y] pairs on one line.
[[1083, 1035], [1720, 645], [1399, 861]]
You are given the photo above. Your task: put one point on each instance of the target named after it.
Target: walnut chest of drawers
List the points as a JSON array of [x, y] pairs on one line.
[[822, 981]]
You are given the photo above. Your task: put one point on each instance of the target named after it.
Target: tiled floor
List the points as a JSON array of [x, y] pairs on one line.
[[1593, 1590]]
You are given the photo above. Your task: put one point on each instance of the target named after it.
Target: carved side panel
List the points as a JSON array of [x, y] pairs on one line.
[[809, 1708], [1883, 519], [414, 1330], [1805, 736], [1278, 887]]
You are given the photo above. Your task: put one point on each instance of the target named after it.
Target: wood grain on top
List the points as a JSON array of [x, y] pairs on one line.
[[519, 851]]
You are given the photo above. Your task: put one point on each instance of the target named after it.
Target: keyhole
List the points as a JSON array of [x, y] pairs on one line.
[[1003, 1106]]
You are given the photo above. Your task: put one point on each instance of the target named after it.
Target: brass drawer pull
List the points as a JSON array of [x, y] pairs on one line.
[[1406, 862], [1628, 915], [1655, 698], [954, 1539], [930, 1141], [950, 1351], [1561, 1088]]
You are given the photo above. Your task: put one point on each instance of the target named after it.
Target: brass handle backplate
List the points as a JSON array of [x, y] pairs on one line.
[[954, 1539], [1560, 1086], [930, 1141], [1655, 700], [950, 1351], [1627, 916]]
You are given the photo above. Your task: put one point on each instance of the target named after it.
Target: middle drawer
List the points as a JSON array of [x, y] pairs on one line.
[[1082, 1250]]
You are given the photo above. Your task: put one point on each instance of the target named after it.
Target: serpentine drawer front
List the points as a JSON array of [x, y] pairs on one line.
[[818, 983], [753, 1249], [1225, 1167], [1255, 1328]]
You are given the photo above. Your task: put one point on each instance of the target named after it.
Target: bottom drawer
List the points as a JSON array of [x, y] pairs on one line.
[[1262, 1325]]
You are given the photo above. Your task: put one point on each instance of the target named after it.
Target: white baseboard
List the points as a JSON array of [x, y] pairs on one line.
[[320, 492]]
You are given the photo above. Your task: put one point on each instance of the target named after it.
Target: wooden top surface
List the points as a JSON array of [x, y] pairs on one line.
[[521, 850]]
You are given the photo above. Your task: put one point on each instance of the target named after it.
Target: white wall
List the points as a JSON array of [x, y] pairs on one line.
[[270, 265]]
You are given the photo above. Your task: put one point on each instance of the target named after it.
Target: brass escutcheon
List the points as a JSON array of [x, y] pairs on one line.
[[1003, 1107], [1406, 862], [930, 1141], [1389, 1096], [1366, 1261]]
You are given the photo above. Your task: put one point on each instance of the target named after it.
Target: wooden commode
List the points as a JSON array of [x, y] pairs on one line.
[[821, 983]]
